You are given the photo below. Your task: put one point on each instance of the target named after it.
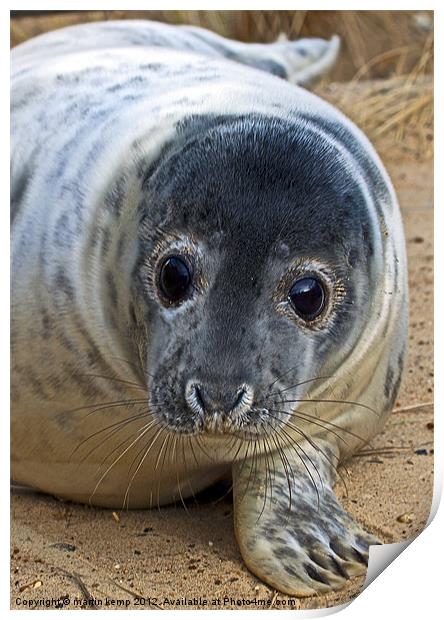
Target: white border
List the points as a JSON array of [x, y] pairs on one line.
[[411, 586]]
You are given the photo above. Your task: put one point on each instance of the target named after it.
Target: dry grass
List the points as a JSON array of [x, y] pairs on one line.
[[398, 109]]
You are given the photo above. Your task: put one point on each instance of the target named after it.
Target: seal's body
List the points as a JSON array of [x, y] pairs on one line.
[[208, 275]]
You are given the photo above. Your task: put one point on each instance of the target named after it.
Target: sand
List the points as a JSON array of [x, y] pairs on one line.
[[150, 559]]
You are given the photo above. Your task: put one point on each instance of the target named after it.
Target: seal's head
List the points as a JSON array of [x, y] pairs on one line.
[[253, 272]]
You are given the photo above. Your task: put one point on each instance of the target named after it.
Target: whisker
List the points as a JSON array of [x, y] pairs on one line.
[[173, 463], [284, 374], [190, 486], [254, 462], [145, 454], [137, 367], [155, 424], [115, 462], [254, 465], [242, 466], [241, 444], [297, 384], [299, 430], [108, 405], [116, 379], [297, 446], [134, 403], [179, 488], [325, 400], [117, 426], [285, 464], [160, 452], [147, 426], [317, 448], [274, 467], [315, 421], [334, 466], [102, 430], [190, 443], [200, 446], [303, 415], [168, 439], [173, 453], [267, 472]]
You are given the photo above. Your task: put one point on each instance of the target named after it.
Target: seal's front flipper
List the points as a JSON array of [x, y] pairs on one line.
[[291, 529]]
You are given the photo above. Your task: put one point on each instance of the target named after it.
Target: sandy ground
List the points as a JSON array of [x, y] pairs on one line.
[[62, 550]]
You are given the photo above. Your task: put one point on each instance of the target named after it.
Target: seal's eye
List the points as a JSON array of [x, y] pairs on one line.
[[174, 278], [307, 296]]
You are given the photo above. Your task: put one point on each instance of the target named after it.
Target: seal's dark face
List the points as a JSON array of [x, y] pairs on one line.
[[254, 244]]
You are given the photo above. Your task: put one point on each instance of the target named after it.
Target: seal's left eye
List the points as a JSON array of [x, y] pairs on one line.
[[175, 278], [307, 297]]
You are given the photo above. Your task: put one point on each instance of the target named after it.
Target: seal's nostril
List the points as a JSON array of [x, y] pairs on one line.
[[244, 400], [193, 397], [198, 396], [239, 399]]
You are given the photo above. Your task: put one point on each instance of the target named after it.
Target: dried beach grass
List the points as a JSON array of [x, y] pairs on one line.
[[395, 113]]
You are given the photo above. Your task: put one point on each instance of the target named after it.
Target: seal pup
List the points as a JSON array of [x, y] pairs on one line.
[[208, 276]]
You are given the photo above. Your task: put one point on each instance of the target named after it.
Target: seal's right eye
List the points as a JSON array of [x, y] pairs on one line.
[[175, 279]]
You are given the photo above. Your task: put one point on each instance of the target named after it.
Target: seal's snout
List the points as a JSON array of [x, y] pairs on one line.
[[211, 401]]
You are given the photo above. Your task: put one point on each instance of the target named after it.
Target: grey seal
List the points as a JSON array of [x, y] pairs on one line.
[[208, 278]]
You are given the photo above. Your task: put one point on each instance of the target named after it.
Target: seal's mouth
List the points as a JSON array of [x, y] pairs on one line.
[[216, 424], [246, 424]]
